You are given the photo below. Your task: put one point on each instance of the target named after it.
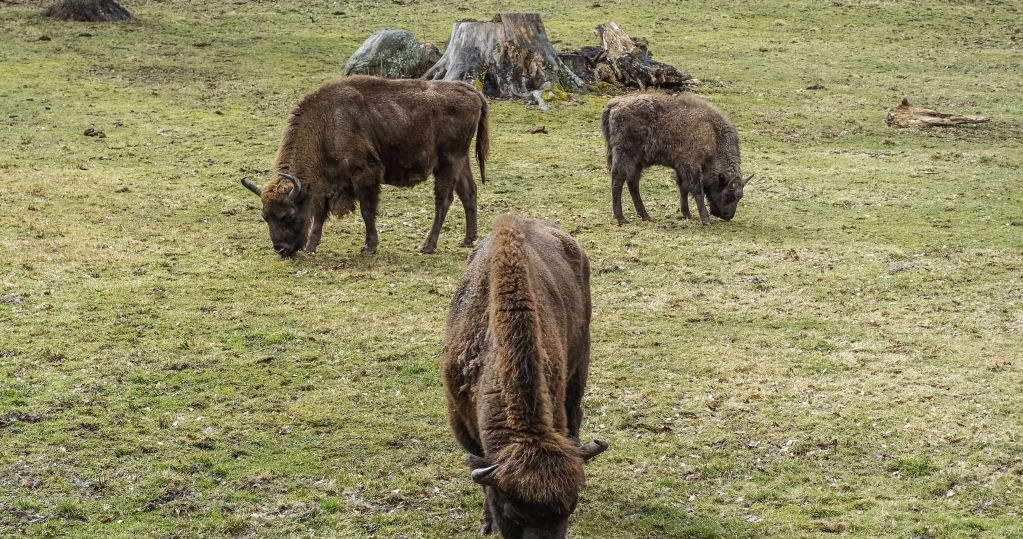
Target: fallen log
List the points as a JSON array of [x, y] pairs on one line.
[[623, 61], [910, 115]]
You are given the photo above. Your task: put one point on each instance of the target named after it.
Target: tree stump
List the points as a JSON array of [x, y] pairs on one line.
[[88, 11], [910, 115], [509, 56], [626, 62]]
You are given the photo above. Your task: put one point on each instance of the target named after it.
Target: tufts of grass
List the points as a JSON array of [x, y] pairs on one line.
[[70, 510], [914, 466]]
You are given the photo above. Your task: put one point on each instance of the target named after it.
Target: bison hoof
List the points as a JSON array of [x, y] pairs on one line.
[[367, 250], [705, 222], [467, 242]]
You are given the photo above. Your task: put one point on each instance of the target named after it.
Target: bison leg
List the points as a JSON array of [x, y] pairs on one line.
[[637, 201], [369, 197], [465, 188], [622, 172], [316, 230], [443, 194], [701, 206], [487, 519], [683, 197], [692, 182], [573, 407]]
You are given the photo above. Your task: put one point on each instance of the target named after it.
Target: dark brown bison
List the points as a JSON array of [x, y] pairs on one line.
[[353, 134], [516, 356], [682, 132]]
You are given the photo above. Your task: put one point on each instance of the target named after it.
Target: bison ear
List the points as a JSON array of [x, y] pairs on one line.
[[484, 476], [296, 186], [593, 449]]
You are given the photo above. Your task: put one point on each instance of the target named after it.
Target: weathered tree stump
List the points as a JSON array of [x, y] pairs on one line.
[[910, 115], [506, 57], [625, 61], [88, 11]]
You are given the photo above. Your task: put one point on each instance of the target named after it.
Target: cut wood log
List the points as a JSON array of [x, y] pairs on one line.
[[910, 115], [509, 56], [88, 11]]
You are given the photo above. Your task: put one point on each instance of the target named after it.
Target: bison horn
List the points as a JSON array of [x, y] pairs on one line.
[[484, 476], [748, 178], [593, 449], [252, 187], [293, 180]]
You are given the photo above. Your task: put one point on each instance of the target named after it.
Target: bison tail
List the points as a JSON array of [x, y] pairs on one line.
[[515, 326], [483, 139], [605, 129]]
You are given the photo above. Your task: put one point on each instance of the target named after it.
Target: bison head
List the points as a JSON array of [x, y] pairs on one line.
[[285, 211], [725, 196], [531, 493]]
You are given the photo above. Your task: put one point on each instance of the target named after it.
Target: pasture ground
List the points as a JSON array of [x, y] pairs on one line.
[[841, 360]]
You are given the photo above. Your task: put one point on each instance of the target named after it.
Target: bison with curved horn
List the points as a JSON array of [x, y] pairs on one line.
[[682, 132], [515, 362], [350, 136]]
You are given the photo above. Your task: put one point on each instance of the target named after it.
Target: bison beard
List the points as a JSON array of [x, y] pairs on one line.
[[515, 361], [350, 136]]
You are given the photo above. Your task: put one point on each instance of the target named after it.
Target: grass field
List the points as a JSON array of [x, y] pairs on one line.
[[843, 359]]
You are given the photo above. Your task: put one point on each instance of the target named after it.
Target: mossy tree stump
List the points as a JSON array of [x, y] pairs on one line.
[[507, 57], [88, 11]]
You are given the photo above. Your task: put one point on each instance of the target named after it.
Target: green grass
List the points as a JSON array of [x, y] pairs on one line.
[[842, 359]]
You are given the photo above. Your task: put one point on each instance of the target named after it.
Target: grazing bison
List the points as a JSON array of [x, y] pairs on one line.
[[682, 132], [516, 355], [353, 134]]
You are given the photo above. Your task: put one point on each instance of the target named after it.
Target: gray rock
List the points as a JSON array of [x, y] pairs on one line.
[[395, 54]]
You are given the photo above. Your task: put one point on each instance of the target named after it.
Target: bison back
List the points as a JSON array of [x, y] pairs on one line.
[[409, 126], [557, 271]]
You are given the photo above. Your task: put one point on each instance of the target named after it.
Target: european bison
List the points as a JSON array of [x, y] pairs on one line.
[[682, 132], [516, 355], [353, 134]]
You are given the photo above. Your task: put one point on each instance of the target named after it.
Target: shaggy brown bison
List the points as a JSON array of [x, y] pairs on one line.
[[516, 355], [353, 134], [682, 132]]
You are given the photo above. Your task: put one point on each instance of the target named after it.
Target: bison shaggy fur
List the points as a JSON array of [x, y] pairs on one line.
[[683, 132], [515, 361], [354, 134]]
